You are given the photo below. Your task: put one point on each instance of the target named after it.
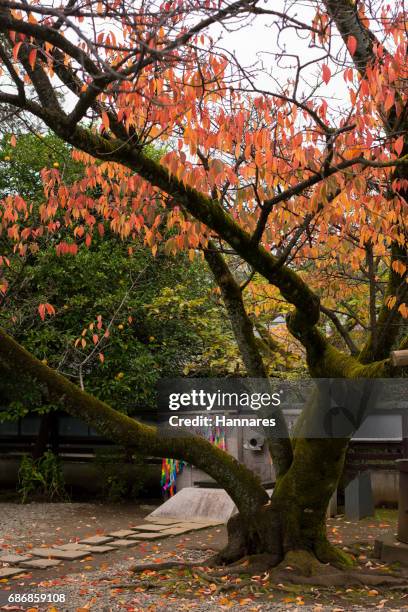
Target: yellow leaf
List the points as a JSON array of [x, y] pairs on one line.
[[403, 309], [399, 267]]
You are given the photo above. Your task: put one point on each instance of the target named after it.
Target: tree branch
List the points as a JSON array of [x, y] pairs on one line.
[[341, 329], [279, 445], [239, 482]]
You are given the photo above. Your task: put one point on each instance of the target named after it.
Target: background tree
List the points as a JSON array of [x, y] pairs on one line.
[[122, 321], [278, 178]]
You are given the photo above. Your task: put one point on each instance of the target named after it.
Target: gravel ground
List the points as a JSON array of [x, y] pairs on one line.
[[96, 592], [94, 584], [49, 523]]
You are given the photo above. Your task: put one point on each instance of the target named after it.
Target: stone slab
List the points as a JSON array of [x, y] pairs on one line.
[[59, 553], [195, 504], [149, 535], [96, 540], [98, 550], [9, 572], [122, 533], [176, 531], [162, 521], [40, 563], [191, 526], [149, 527], [123, 543], [14, 559], [202, 523], [86, 547], [390, 550], [72, 546]]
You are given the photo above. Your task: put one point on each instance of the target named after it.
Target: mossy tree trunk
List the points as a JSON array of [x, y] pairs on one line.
[[295, 517]]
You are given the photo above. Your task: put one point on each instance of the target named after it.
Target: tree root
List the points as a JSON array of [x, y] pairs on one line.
[[250, 564], [139, 569], [301, 567], [340, 578], [298, 567], [328, 553]]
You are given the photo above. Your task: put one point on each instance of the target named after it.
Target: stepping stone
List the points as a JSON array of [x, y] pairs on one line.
[[72, 546], [122, 533], [189, 526], [14, 559], [123, 543], [40, 563], [8, 572], [150, 535], [57, 553], [149, 527], [177, 530], [86, 547], [162, 521], [96, 540], [100, 549], [205, 523]]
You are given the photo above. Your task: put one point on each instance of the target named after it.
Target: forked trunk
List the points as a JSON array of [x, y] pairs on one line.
[[295, 517]]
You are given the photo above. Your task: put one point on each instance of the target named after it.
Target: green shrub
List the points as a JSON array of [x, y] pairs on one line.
[[123, 477], [41, 477]]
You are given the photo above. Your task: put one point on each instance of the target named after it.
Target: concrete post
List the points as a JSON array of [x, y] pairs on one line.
[[403, 501]]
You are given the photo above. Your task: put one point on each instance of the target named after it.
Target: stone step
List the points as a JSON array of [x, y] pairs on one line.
[[148, 535], [96, 540], [121, 533], [9, 572], [149, 527], [40, 563], [123, 543], [59, 553], [14, 559]]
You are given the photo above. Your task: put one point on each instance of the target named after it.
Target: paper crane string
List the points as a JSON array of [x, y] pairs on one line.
[[172, 467]]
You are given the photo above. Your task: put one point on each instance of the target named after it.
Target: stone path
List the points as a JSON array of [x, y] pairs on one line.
[[40, 558]]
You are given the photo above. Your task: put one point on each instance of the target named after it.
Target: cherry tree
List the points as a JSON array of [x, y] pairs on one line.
[[307, 190]]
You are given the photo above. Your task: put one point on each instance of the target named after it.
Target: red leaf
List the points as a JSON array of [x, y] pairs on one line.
[[105, 120], [326, 73], [352, 44], [16, 49], [399, 145], [44, 309], [389, 101], [50, 309], [32, 56], [101, 357], [41, 310]]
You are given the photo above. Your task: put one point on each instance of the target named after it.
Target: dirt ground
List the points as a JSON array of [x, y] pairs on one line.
[[103, 583]]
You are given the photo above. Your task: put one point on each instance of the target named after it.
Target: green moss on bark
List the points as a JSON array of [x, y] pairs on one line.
[[242, 484]]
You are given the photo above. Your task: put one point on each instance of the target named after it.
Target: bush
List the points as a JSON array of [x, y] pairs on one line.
[[123, 477], [41, 477]]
